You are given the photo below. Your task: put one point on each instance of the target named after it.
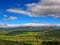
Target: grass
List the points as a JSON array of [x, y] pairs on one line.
[[30, 38], [27, 34]]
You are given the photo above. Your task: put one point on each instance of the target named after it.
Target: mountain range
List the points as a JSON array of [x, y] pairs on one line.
[[27, 25]]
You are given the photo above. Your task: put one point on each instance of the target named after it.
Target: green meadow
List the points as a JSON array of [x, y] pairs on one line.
[[45, 37]]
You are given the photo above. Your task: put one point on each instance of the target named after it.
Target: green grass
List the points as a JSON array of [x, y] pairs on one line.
[[28, 34], [30, 38], [3, 32]]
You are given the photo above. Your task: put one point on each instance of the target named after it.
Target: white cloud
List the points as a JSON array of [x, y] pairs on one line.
[[5, 16], [50, 2], [19, 11], [9, 18], [3, 25], [32, 24], [12, 18], [43, 8]]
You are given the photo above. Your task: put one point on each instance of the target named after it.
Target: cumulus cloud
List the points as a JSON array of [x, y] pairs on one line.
[[19, 11], [42, 8], [9, 18], [12, 18]]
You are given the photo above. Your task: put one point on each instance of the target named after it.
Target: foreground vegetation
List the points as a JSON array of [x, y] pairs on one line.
[[8, 42], [46, 37]]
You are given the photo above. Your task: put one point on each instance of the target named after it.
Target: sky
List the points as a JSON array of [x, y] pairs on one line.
[[29, 11]]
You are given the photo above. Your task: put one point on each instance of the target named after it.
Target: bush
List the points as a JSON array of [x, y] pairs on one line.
[[50, 43], [25, 43]]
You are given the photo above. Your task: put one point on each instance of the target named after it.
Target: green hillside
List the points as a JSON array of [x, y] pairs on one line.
[[52, 33], [42, 37], [42, 33]]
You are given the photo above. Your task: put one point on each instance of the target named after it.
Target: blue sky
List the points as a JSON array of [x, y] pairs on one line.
[[28, 11]]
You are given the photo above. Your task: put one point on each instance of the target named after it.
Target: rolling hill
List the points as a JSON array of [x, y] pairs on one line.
[[30, 35]]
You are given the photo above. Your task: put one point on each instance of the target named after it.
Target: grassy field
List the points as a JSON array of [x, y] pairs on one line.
[[31, 38]]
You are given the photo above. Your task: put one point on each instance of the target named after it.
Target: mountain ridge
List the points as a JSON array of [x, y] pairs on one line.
[[27, 25]]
